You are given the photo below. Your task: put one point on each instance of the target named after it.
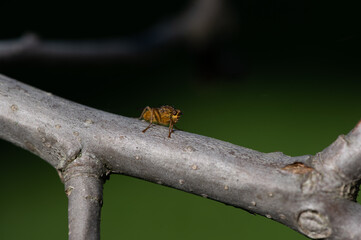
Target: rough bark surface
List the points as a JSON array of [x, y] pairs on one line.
[[314, 195]]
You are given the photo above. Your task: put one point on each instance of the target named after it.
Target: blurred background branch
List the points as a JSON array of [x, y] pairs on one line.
[[197, 26]]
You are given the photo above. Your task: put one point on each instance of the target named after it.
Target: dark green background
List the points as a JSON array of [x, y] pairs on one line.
[[297, 89]]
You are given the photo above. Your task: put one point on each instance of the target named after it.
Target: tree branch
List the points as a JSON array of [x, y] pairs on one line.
[[313, 195]]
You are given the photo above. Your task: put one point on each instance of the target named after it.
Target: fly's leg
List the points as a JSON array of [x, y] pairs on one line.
[[150, 124], [151, 118], [147, 108], [170, 128]]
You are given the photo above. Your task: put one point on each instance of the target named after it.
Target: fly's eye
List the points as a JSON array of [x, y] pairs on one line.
[[174, 113]]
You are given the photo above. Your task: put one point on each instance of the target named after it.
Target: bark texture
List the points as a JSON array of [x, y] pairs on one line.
[[314, 195]]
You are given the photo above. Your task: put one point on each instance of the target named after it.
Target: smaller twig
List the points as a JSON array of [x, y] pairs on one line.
[[84, 188]]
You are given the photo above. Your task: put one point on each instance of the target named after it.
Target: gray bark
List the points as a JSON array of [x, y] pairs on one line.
[[314, 195]]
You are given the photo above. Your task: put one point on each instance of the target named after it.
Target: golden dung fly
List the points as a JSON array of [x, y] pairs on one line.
[[165, 115]]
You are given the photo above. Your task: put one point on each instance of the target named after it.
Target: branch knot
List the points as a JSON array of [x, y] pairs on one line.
[[314, 224]]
